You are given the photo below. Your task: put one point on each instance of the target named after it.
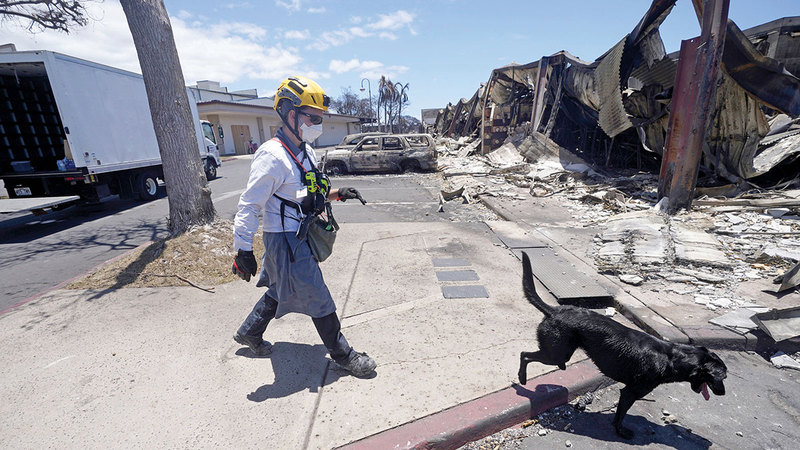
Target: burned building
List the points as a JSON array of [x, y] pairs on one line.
[[615, 110]]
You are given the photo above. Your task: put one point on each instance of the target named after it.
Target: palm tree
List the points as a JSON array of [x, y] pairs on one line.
[[402, 97]]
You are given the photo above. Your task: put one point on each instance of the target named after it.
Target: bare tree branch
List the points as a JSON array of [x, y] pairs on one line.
[[58, 15]]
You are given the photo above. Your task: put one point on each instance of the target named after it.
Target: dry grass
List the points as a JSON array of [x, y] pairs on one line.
[[202, 256]]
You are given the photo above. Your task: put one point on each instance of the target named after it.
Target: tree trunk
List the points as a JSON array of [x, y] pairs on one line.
[[187, 189]]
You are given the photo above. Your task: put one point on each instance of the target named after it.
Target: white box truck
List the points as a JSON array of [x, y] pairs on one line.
[[72, 128]]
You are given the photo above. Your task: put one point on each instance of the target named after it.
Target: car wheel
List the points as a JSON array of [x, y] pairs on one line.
[[211, 170], [147, 185], [410, 165], [336, 168]]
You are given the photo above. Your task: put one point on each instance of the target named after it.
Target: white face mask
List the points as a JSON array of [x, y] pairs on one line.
[[310, 133]]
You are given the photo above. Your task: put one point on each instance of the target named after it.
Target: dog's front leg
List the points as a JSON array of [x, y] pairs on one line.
[[524, 359]]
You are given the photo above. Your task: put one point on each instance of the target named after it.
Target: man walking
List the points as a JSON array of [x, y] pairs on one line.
[[278, 184]]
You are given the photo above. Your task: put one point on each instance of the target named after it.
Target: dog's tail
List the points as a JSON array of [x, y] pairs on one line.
[[530, 289]]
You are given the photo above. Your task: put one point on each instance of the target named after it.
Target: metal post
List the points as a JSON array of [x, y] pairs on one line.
[[370, 96], [692, 103]]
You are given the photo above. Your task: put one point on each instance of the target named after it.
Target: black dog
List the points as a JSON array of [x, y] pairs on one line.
[[640, 361]]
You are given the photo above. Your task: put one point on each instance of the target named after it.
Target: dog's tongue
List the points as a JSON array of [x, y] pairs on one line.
[[705, 392]]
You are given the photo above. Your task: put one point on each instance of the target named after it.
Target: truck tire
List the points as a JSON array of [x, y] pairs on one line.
[[147, 186], [211, 169], [335, 168]]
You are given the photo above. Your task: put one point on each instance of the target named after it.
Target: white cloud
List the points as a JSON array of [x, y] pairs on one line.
[[228, 52], [393, 21], [359, 32], [224, 52], [317, 10], [237, 5], [291, 5], [297, 35], [249, 30], [185, 15], [338, 66], [384, 26], [330, 39], [366, 69]]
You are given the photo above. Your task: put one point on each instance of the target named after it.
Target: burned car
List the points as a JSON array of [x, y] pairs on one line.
[[384, 153], [351, 140]]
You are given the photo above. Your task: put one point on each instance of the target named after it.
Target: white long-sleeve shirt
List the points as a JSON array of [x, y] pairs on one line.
[[272, 172]]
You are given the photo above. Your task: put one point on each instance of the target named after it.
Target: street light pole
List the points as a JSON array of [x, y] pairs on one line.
[[370, 96]]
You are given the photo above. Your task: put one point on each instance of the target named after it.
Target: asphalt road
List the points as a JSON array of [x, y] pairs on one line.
[[760, 410], [40, 252]]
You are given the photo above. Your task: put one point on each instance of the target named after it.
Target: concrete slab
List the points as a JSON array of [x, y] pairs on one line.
[[563, 280], [638, 237], [696, 246], [514, 236], [421, 344]]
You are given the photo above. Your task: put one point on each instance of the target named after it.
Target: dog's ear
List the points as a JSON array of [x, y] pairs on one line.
[[713, 363]]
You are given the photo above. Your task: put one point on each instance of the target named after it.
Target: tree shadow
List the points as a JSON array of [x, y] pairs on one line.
[[296, 367]]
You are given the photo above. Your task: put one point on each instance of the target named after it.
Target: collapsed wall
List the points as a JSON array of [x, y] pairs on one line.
[[615, 110]]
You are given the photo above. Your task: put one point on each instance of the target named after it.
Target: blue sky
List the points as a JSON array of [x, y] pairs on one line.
[[443, 49]]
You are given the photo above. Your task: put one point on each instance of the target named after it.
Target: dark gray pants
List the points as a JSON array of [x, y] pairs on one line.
[[328, 327]]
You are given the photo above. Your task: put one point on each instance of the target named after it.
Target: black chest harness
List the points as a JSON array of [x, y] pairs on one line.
[[313, 204]]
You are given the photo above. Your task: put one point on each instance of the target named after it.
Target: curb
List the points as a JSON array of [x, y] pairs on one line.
[[232, 157], [476, 419], [66, 282]]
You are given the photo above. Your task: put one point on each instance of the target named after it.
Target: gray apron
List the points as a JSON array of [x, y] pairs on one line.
[[297, 286]]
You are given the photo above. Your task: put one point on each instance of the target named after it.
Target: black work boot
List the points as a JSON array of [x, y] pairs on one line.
[[359, 364], [257, 345]]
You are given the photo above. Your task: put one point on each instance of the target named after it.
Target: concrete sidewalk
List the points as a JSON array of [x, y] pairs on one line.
[[158, 368]]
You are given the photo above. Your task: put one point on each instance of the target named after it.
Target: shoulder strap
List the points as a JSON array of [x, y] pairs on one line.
[[296, 161], [284, 204]]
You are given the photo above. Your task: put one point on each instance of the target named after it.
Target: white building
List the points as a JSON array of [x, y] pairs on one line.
[[242, 116]]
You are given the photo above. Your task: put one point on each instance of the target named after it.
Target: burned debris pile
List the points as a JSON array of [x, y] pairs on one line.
[[593, 136]]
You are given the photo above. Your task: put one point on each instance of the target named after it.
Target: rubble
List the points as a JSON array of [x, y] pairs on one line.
[[781, 360], [592, 135], [780, 324], [704, 253]]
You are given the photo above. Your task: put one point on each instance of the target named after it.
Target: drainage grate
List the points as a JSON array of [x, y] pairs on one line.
[[451, 262], [456, 275], [475, 291]]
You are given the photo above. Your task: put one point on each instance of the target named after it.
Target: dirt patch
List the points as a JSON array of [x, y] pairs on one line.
[[202, 257]]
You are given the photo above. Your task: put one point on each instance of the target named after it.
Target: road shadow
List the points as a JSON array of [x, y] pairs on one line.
[[296, 368], [598, 426], [549, 403], [29, 228]]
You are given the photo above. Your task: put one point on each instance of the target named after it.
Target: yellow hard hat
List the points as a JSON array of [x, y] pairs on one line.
[[302, 91]]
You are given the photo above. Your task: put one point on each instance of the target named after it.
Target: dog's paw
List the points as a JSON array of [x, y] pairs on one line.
[[624, 433], [523, 377]]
